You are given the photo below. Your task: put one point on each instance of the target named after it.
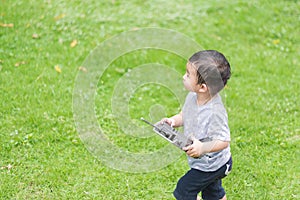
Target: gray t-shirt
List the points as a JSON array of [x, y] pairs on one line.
[[207, 122]]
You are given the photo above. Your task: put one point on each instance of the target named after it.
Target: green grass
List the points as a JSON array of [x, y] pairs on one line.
[[41, 155]]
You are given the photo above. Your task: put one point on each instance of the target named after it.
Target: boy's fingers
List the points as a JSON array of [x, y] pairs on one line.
[[165, 120], [172, 122], [187, 148], [169, 121]]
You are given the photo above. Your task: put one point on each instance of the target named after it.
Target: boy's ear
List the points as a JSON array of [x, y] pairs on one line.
[[203, 87]]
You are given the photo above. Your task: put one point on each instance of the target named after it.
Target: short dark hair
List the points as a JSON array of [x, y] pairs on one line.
[[212, 68]]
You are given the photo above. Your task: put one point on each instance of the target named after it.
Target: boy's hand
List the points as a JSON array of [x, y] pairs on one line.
[[174, 121], [194, 150], [169, 121], [199, 148]]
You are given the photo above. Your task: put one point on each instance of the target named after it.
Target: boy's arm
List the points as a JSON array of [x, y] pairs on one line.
[[199, 148], [174, 121]]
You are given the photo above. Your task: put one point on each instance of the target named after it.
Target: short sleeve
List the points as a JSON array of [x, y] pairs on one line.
[[218, 128]]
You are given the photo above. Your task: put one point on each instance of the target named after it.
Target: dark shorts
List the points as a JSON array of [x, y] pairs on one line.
[[209, 183]]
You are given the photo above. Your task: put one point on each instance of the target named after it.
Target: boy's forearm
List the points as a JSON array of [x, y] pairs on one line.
[[199, 148], [214, 146]]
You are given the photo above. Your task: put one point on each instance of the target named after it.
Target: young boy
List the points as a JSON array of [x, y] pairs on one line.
[[205, 120]]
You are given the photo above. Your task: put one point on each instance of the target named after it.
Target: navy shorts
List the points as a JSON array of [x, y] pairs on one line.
[[209, 183]]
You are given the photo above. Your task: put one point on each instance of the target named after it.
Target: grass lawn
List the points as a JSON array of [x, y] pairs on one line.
[[43, 46]]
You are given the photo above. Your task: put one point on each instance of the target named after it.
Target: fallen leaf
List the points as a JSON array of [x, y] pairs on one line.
[[7, 25], [9, 166], [35, 36], [73, 43], [20, 63], [57, 68], [276, 41], [58, 17], [82, 69], [120, 70]]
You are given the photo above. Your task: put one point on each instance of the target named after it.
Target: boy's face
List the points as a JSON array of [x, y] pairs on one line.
[[190, 80]]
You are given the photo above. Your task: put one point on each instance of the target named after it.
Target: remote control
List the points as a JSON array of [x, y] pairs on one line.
[[170, 134]]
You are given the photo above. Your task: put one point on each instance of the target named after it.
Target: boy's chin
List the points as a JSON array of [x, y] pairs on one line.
[[189, 89]]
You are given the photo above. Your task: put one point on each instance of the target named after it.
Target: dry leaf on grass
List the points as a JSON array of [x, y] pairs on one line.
[[57, 68], [276, 41], [20, 63], [73, 43], [7, 25], [82, 69], [8, 167], [58, 17], [35, 36]]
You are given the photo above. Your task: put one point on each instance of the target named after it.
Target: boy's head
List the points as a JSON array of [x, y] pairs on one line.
[[212, 68]]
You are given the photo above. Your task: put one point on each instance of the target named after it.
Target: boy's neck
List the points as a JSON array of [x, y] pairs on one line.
[[203, 98]]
